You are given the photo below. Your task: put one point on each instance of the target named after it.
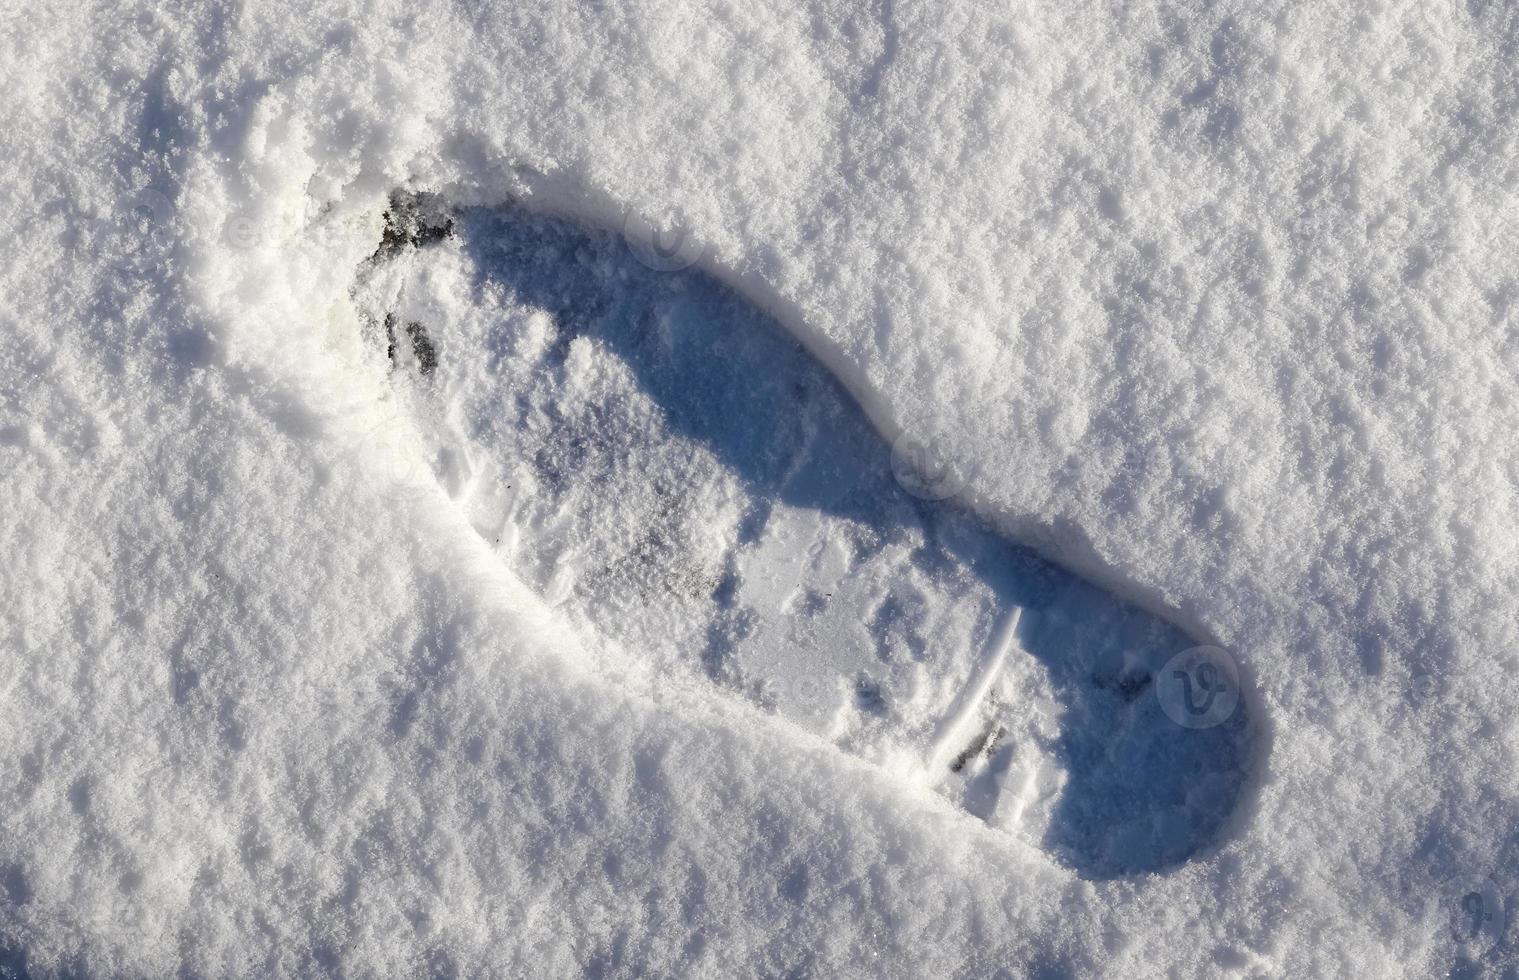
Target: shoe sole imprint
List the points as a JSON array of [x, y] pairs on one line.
[[667, 464]]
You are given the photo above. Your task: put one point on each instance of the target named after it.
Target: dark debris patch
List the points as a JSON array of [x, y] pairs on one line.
[[422, 348], [1132, 686], [985, 742], [413, 220]]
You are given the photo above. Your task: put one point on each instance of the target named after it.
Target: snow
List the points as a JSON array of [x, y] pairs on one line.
[[676, 473], [1172, 326]]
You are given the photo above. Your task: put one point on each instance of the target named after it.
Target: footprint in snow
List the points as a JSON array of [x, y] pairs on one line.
[[667, 464]]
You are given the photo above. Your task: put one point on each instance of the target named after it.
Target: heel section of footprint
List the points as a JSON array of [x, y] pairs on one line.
[[662, 460]]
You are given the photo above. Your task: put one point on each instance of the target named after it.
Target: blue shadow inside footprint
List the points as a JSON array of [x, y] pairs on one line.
[[1142, 793]]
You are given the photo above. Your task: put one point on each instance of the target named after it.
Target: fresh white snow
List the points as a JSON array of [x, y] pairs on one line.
[[505, 654]]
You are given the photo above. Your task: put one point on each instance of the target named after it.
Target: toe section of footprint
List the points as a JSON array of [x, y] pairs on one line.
[[665, 463]]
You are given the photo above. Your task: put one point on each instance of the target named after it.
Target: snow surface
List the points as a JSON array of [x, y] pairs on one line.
[[1209, 304]]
